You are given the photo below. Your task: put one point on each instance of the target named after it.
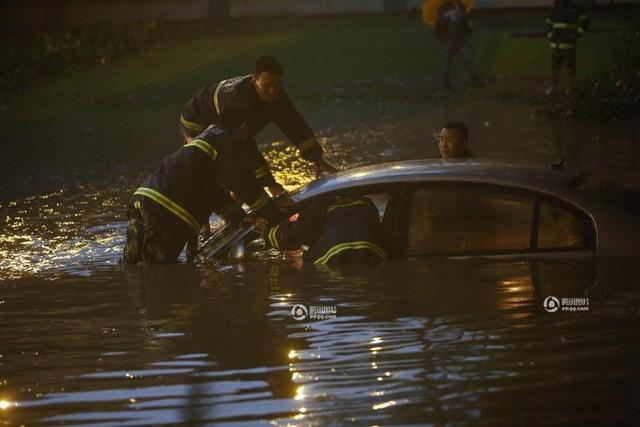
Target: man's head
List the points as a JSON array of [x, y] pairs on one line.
[[453, 141], [233, 119], [267, 78]]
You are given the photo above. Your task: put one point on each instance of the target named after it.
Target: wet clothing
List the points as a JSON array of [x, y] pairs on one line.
[[190, 184], [149, 240], [566, 23], [452, 27], [336, 230], [202, 110]]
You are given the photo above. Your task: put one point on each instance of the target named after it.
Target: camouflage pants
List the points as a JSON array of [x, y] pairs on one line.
[[149, 240]]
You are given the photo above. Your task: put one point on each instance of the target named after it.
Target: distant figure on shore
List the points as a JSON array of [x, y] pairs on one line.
[[566, 23], [453, 141], [453, 29]]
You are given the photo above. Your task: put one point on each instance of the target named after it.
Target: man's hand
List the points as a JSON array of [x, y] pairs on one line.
[[323, 168], [276, 189]]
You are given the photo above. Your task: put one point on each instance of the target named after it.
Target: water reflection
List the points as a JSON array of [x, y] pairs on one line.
[[414, 341]]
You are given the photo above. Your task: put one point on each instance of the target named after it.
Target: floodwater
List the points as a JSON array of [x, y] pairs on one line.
[[413, 341]]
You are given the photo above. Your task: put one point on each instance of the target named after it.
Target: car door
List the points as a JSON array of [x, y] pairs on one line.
[[461, 219]]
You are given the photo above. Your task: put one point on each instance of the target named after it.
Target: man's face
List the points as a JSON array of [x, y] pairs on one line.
[[451, 143], [268, 85]]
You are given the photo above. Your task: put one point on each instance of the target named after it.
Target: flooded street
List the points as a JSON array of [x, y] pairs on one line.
[[413, 341]]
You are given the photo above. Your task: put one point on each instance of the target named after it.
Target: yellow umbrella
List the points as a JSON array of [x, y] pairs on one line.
[[430, 9]]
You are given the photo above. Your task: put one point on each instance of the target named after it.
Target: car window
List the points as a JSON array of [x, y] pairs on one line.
[[458, 219], [560, 228]]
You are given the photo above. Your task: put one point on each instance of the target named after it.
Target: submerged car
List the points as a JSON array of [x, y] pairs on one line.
[[474, 208]]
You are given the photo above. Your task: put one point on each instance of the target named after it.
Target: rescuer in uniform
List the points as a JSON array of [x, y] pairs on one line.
[[169, 208], [566, 23], [332, 231], [267, 102]]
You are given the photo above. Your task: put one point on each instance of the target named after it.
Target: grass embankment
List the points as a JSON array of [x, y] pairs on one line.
[[128, 109]]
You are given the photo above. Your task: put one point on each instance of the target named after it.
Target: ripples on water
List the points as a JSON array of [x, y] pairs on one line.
[[414, 341]]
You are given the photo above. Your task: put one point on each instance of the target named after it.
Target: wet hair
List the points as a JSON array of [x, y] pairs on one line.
[[268, 63], [460, 127], [233, 116]]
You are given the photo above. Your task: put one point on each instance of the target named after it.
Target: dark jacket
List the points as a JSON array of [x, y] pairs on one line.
[[452, 27], [337, 230], [566, 23], [202, 110], [195, 181]]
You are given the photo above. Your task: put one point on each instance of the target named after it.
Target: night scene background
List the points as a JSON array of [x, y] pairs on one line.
[[90, 96]]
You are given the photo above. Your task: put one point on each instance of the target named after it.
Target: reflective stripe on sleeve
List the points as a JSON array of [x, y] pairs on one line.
[[564, 25], [204, 146], [562, 45], [272, 236], [335, 250], [170, 205], [216, 103], [191, 125]]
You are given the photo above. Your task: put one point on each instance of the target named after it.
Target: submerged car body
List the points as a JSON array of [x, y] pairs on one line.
[[472, 207]]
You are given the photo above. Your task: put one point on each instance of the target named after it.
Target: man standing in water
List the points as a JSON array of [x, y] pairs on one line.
[[169, 208], [453, 141], [268, 102]]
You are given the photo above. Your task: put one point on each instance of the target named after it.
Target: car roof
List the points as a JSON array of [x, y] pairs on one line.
[[498, 172], [617, 232]]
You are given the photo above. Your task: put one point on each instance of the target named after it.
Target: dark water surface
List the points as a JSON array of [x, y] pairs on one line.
[[416, 341]]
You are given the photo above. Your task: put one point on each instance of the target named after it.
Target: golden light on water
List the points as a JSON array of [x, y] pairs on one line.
[[384, 405], [300, 393], [6, 404]]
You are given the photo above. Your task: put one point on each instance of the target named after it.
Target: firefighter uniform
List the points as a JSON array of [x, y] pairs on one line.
[[336, 230], [565, 23], [203, 109], [169, 208]]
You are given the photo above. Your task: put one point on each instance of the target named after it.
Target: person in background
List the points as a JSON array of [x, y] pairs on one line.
[[169, 208], [453, 29], [453, 141], [566, 23]]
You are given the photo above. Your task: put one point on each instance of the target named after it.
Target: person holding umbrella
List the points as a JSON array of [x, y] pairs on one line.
[[452, 27]]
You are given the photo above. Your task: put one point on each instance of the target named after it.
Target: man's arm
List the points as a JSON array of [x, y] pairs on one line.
[[289, 120], [198, 114]]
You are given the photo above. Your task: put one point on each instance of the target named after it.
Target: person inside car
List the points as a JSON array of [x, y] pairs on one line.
[[334, 230]]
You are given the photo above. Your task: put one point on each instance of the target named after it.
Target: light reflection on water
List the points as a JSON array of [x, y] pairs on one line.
[[414, 341], [422, 342]]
